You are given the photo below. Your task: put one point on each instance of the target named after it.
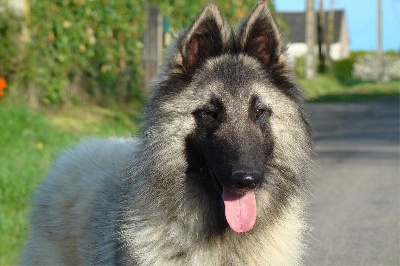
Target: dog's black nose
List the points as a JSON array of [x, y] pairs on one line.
[[246, 179]]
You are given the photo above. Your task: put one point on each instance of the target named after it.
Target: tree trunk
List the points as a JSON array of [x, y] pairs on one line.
[[321, 38], [329, 34], [310, 39]]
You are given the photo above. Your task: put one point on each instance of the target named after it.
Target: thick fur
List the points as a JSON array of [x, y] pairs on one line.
[[224, 100]]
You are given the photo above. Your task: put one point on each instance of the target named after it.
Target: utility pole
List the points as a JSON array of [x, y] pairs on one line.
[[379, 37], [310, 39]]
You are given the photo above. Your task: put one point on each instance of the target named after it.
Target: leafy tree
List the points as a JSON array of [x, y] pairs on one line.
[[10, 30], [93, 45], [182, 12], [85, 49]]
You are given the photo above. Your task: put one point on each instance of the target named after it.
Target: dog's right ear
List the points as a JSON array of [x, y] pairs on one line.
[[204, 39]]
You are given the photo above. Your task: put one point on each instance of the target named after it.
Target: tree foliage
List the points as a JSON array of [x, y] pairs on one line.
[[182, 12], [10, 29], [93, 45], [87, 49]]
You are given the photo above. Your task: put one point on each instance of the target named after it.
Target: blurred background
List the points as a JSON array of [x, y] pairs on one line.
[[74, 51], [72, 68]]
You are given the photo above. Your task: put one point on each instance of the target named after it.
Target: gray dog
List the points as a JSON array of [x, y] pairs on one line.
[[217, 176]]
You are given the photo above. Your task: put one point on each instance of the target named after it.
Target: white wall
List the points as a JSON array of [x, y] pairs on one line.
[[296, 50]]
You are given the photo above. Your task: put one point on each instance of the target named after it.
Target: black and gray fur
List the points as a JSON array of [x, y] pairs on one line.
[[224, 102]]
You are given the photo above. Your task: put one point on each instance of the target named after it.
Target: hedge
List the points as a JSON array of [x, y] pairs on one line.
[[343, 71], [10, 30], [85, 49]]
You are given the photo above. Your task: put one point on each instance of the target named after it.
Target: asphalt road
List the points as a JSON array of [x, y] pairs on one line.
[[355, 208]]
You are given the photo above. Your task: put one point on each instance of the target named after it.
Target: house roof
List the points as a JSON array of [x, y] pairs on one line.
[[295, 22]]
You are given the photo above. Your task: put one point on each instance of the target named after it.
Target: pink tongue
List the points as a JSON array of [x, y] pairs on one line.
[[240, 210]]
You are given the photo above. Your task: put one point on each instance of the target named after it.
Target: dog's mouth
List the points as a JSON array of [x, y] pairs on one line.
[[239, 204]]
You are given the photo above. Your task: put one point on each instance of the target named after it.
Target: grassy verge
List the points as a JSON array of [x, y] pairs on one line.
[[325, 88], [28, 141]]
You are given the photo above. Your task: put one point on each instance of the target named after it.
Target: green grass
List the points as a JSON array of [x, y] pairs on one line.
[[325, 88], [28, 141]]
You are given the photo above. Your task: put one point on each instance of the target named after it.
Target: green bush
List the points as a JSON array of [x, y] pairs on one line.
[[343, 71], [82, 49], [182, 12], [10, 32], [300, 67], [94, 45], [73, 49]]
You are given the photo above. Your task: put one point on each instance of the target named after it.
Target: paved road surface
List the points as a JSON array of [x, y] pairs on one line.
[[355, 209]]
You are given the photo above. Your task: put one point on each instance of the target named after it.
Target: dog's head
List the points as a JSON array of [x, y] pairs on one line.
[[230, 96]]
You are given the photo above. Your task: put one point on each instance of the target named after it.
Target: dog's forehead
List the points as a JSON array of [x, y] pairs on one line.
[[233, 72], [231, 78], [224, 74]]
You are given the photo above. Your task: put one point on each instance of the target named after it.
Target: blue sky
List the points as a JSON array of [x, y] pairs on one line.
[[362, 20]]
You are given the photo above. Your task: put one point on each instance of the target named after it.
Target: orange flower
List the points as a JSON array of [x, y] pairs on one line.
[[3, 85]]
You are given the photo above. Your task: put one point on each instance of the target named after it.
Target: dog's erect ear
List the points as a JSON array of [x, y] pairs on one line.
[[204, 39], [259, 36]]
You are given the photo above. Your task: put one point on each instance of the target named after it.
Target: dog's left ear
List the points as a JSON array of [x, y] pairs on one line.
[[259, 36], [204, 39]]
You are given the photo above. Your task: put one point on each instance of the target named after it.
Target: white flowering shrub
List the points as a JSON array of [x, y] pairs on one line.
[[365, 67]]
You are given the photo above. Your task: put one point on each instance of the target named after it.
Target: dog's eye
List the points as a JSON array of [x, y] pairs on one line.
[[259, 113]]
